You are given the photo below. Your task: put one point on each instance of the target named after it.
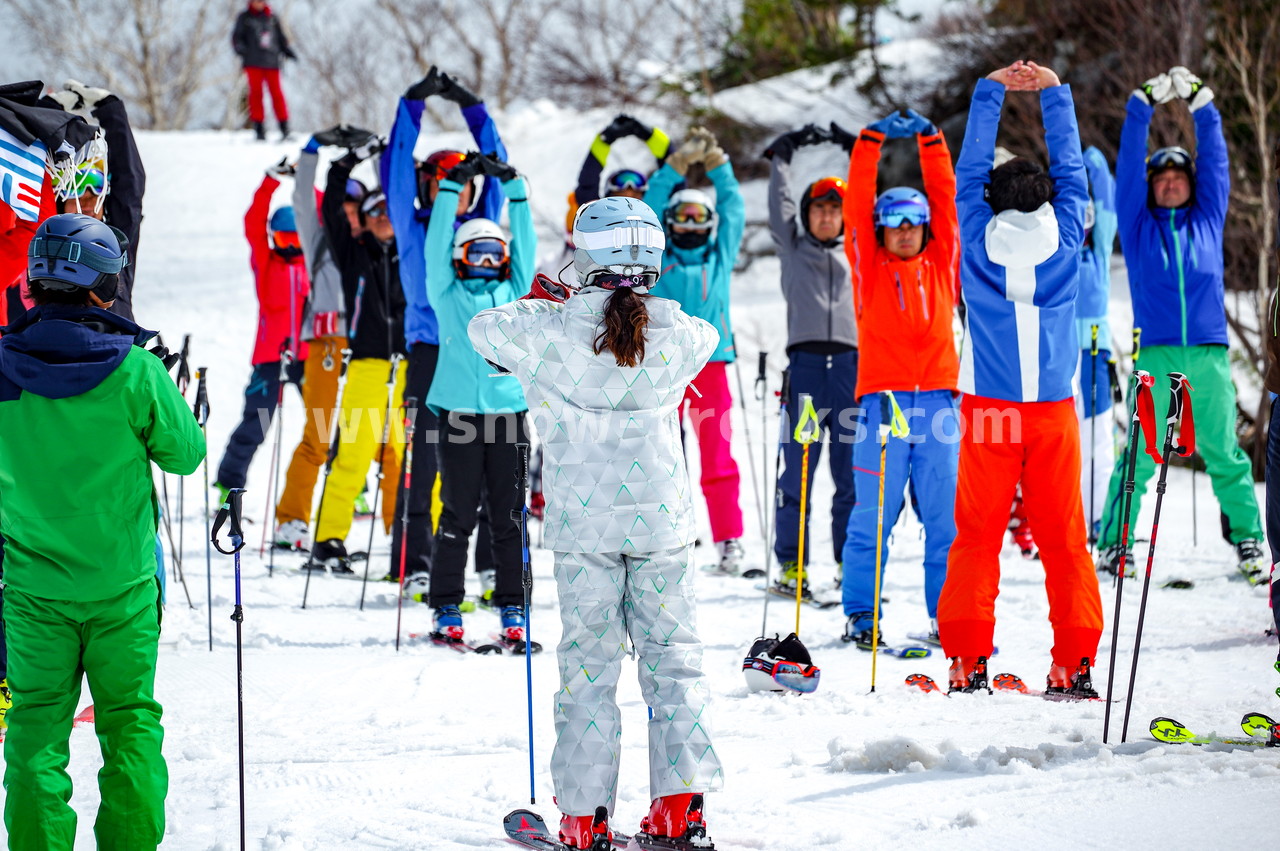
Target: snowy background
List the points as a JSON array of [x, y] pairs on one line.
[[352, 745]]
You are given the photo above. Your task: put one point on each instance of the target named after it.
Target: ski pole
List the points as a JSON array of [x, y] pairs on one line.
[[201, 411], [892, 422], [783, 426], [273, 476], [1091, 414], [1179, 407], [410, 421], [335, 416], [521, 518], [1141, 383], [807, 431], [746, 431], [230, 512], [382, 451]]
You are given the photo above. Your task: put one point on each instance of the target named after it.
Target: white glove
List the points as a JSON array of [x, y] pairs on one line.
[[69, 101], [91, 96], [373, 146], [1158, 89], [1188, 86]]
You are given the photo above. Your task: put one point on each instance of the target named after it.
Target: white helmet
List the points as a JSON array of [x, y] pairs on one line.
[[692, 209], [480, 250]]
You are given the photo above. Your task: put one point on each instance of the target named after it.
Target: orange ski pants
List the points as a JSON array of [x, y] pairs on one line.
[[1037, 443]]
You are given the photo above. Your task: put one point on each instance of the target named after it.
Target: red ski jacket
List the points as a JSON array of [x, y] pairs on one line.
[[282, 284]]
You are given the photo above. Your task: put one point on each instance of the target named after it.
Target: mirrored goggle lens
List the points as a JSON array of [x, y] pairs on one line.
[[612, 281], [485, 252], [832, 187], [691, 214], [286, 239], [895, 217], [801, 678], [87, 180], [377, 211], [1168, 159], [627, 179]]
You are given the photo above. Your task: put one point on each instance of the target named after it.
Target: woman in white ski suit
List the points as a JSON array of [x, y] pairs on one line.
[[619, 515]]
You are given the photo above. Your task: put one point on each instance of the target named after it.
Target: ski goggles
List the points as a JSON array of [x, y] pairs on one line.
[[645, 236], [827, 187], [790, 675], [85, 179], [690, 213], [627, 178], [906, 212], [286, 239], [613, 281], [1169, 158], [484, 252], [374, 204]]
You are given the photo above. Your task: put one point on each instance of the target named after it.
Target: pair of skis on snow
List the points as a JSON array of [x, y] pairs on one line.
[[1254, 724], [496, 647], [527, 828], [1008, 683]]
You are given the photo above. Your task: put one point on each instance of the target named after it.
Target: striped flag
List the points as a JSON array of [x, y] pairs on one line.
[[21, 175]]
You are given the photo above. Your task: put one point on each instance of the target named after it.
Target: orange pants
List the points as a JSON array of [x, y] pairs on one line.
[[320, 401], [1039, 444]]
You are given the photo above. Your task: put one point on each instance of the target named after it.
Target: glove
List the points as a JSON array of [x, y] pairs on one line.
[[547, 289], [842, 137], [168, 358], [289, 54], [426, 87], [1189, 87], [91, 97], [919, 124], [783, 147], [1157, 90], [471, 166], [691, 151], [344, 136], [284, 168], [494, 167], [450, 89], [68, 101], [371, 146], [624, 125], [714, 157]]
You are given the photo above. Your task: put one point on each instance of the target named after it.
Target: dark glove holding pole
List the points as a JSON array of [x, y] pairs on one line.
[[451, 89], [426, 87], [494, 167], [471, 166]]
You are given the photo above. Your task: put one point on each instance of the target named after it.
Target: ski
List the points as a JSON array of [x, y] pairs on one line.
[[808, 599], [527, 828], [1254, 724], [931, 638], [925, 683], [1013, 683], [908, 652], [501, 643], [458, 644]]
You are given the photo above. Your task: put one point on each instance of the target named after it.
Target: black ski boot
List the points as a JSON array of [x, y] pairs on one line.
[[260, 131], [968, 675], [284, 130], [1070, 685], [330, 555]]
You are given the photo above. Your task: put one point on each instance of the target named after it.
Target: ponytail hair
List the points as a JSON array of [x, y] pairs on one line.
[[622, 333]]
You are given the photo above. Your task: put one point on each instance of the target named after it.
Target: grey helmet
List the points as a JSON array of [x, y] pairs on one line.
[[618, 242]]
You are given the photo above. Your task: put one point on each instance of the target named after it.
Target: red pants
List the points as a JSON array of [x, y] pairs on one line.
[[1039, 444], [271, 77], [720, 480]]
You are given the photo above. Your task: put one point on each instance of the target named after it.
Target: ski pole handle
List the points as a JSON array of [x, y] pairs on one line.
[[1137, 345], [229, 513], [522, 482], [1093, 335], [201, 406], [807, 428], [761, 382]]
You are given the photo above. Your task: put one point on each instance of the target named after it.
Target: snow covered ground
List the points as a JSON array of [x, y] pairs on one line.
[[352, 745]]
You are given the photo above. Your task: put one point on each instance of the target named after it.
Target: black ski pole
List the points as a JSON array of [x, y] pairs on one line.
[[410, 421], [784, 428], [183, 380], [201, 410], [230, 513], [521, 518], [382, 451], [1178, 404], [1141, 382], [335, 416]]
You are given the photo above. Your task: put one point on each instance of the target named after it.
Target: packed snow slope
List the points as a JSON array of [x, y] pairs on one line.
[[350, 744]]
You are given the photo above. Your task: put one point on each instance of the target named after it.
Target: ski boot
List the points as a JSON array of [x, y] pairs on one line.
[[488, 581], [330, 555], [674, 823], [588, 832], [858, 630], [285, 135], [1067, 684], [731, 555], [446, 625], [292, 535], [362, 507], [260, 131], [6, 700], [1251, 561], [786, 584], [968, 674], [513, 631], [1109, 561], [1020, 528]]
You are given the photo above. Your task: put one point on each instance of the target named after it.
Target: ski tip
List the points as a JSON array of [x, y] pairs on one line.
[[1169, 730], [924, 682], [1009, 682]]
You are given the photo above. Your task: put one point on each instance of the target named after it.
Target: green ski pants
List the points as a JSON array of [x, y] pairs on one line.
[[1213, 403], [52, 645]]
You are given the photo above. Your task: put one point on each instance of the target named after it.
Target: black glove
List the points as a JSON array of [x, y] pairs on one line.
[[785, 145], [168, 358], [426, 87], [842, 137], [451, 89], [289, 54], [494, 167], [471, 166], [371, 146], [284, 168], [624, 125], [344, 136]]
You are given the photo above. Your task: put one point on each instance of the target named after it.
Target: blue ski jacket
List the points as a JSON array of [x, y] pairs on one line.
[[698, 278], [1174, 256], [400, 181], [1019, 272], [1093, 301]]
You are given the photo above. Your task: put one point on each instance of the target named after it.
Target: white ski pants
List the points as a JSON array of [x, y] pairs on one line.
[[604, 598]]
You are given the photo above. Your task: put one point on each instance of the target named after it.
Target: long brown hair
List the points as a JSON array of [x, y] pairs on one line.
[[625, 321]]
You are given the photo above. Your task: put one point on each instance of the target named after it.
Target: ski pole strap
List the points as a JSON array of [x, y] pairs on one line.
[[761, 382], [184, 373], [201, 406], [229, 512], [1180, 411], [807, 428], [1093, 337], [892, 420]]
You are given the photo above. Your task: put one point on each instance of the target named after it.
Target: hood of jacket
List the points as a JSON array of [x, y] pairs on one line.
[[1020, 240], [56, 351]]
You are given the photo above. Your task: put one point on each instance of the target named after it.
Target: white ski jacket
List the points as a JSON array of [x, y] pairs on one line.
[[615, 478]]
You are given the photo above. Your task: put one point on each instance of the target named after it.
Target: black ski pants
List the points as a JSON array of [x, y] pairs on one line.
[[260, 398]]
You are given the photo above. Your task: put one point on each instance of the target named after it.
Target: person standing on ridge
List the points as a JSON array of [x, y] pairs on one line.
[[258, 38]]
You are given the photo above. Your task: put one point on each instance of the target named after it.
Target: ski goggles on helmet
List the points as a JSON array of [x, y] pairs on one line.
[[909, 212], [690, 214], [286, 239], [436, 166], [790, 675], [485, 252], [1167, 158], [828, 188], [627, 178], [374, 204]]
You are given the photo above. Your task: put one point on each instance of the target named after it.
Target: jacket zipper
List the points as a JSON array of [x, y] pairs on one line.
[[902, 302], [1182, 280]]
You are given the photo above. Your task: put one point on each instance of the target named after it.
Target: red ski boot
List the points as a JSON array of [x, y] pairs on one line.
[[674, 823], [1020, 528], [588, 832], [968, 674]]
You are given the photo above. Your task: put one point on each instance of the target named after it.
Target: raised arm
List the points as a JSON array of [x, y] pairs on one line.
[[859, 205], [732, 211], [485, 133], [1066, 164], [1213, 173], [1131, 169], [524, 237], [977, 156], [782, 206], [940, 186], [255, 226], [1103, 191], [439, 244]]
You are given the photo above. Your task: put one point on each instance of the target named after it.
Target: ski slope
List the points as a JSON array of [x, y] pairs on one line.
[[350, 744]]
